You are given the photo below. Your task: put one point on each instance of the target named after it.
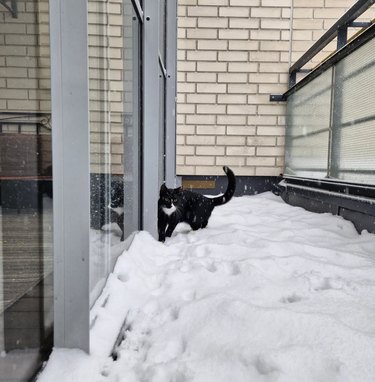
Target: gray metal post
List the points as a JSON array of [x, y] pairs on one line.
[[170, 117], [150, 115], [71, 185]]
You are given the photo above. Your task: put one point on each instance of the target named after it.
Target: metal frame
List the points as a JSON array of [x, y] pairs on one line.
[[170, 102], [150, 114], [71, 185], [339, 30], [12, 8]]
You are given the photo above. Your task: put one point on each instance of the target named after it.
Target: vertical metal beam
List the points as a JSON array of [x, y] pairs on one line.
[[170, 101], [151, 154], [71, 185]]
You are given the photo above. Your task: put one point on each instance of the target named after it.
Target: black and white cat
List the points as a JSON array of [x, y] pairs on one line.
[[176, 205]]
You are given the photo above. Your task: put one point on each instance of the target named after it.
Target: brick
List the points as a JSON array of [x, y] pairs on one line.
[[213, 2], [307, 24], [307, 3], [187, 66], [245, 3], [200, 119], [231, 98], [231, 119], [272, 109], [230, 140], [211, 130], [256, 99], [212, 45], [278, 3], [241, 109], [265, 35], [186, 109], [244, 67], [244, 23], [234, 34], [242, 88], [234, 11], [202, 34], [262, 120], [212, 22], [210, 150], [270, 130], [211, 88], [211, 66], [266, 12], [180, 160], [233, 56], [200, 160], [263, 77], [261, 141], [240, 150], [201, 98], [241, 130], [185, 150], [230, 161], [185, 170], [274, 45], [202, 11], [201, 55], [264, 56], [244, 45], [232, 77], [186, 129], [210, 109], [201, 77], [260, 161], [274, 24], [187, 22]]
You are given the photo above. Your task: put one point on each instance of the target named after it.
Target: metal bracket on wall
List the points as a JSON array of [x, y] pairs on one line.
[[11, 6]]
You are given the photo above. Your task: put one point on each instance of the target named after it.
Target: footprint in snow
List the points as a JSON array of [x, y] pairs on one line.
[[231, 269], [210, 266], [188, 295], [123, 277], [291, 299]]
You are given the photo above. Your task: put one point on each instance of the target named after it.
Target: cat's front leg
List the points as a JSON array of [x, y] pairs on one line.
[[170, 229], [162, 226]]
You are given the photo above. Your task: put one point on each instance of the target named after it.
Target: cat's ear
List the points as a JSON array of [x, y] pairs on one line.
[[163, 188]]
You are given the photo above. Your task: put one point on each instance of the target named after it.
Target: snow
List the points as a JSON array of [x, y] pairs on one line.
[[267, 292]]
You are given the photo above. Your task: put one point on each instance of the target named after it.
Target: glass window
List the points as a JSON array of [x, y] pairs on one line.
[[26, 257], [114, 134]]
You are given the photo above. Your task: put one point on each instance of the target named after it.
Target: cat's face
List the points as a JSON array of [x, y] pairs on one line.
[[169, 196]]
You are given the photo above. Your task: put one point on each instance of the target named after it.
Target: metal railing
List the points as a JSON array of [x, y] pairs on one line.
[[343, 47]]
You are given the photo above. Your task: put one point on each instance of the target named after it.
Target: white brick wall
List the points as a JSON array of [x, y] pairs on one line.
[[232, 54]]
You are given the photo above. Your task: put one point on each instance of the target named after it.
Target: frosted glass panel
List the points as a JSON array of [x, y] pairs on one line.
[[353, 144], [331, 125], [308, 120]]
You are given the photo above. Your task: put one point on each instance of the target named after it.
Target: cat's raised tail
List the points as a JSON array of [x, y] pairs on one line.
[[230, 189]]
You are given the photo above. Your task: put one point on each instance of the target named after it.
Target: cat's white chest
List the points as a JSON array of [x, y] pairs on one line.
[[169, 211]]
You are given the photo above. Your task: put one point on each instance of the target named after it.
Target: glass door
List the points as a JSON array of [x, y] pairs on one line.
[[26, 256], [114, 103]]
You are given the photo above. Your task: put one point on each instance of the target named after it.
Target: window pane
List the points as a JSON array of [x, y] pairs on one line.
[[114, 127], [354, 134], [308, 120], [26, 258]]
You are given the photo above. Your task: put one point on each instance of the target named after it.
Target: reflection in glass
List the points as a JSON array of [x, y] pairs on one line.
[[114, 134], [26, 255]]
